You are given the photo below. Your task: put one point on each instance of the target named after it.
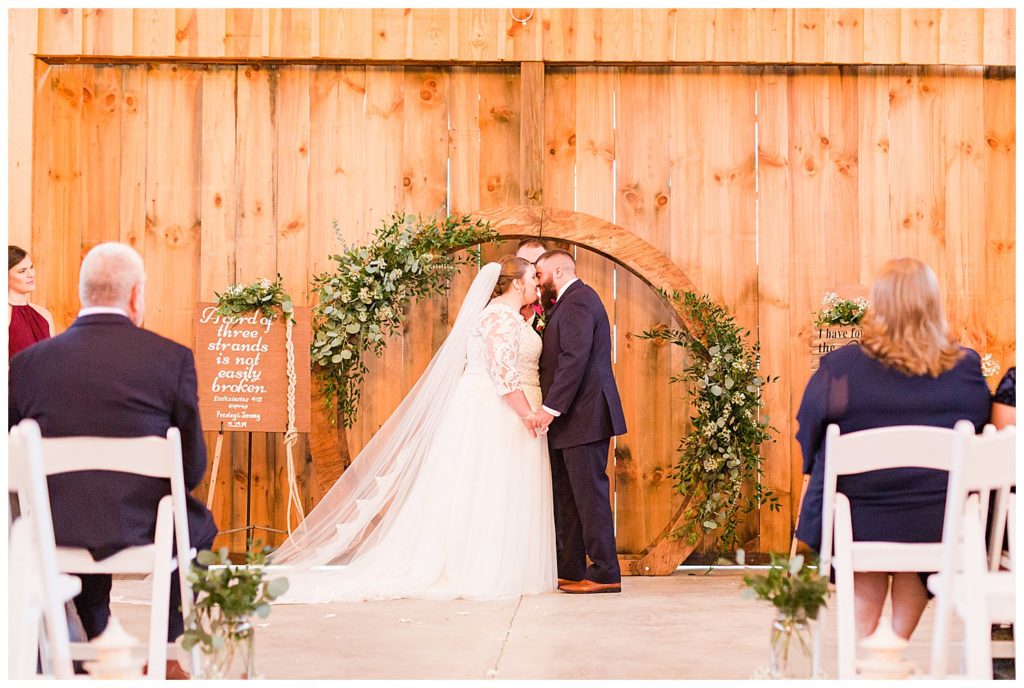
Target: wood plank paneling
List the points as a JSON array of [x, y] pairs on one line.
[[919, 36], [134, 123], [57, 190], [382, 135], [153, 32], [881, 35], [101, 146], [961, 123], [644, 498], [60, 31], [776, 321], [500, 182], [1000, 37], [227, 173], [23, 30], [801, 35], [218, 197], [1000, 229], [424, 191]]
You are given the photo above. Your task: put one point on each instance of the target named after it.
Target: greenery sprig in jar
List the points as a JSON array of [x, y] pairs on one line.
[[722, 452], [221, 621], [798, 593]]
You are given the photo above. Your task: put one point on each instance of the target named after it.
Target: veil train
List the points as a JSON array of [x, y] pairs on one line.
[[360, 508]]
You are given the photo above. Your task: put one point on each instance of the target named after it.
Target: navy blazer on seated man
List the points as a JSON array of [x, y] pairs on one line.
[[105, 377]]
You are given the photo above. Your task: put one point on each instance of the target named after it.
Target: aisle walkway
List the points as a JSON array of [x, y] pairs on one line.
[[686, 626]]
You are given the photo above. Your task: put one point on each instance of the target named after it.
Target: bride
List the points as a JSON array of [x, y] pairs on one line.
[[452, 497]]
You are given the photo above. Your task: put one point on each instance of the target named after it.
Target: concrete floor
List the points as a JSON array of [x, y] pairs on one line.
[[690, 625]]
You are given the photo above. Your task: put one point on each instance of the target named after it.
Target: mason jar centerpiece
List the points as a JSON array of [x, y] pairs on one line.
[[797, 592], [221, 621]]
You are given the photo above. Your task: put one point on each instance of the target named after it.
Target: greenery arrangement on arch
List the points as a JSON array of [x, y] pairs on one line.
[[364, 299], [722, 453]]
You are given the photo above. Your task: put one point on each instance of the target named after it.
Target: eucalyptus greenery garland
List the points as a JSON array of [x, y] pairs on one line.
[[723, 450], [363, 300], [263, 296]]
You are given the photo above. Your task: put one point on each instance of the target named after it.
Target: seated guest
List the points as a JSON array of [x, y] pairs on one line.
[[107, 377], [906, 370], [27, 323], [1004, 401]]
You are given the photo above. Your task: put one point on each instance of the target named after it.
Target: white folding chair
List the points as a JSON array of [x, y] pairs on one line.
[[155, 457], [37, 591], [970, 584], [908, 446]]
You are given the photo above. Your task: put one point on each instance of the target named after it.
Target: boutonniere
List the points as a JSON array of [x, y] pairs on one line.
[[540, 320]]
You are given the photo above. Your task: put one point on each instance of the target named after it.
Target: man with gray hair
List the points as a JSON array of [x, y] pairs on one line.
[[107, 377]]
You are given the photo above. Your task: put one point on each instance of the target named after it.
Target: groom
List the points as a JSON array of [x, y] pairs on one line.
[[581, 413]]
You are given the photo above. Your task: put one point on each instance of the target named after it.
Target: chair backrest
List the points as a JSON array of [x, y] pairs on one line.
[[990, 470], [155, 457], [902, 446], [986, 465], [26, 477]]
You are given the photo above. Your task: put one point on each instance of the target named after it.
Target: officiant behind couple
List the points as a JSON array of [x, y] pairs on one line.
[[488, 480]]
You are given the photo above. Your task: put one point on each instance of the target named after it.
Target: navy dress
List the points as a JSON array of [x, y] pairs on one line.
[[857, 392]]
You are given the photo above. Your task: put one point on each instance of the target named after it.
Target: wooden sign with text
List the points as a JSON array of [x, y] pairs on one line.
[[241, 363], [829, 338]]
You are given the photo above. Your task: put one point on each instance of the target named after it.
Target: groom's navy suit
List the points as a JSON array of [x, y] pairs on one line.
[[576, 380], [105, 377]]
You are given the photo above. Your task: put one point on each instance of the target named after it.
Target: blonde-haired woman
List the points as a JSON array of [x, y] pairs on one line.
[[906, 370]]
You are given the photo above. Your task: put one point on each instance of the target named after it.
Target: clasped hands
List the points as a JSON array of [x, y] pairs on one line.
[[538, 421]]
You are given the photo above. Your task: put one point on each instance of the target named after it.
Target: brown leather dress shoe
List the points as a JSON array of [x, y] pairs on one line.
[[585, 587], [175, 672], [566, 581]]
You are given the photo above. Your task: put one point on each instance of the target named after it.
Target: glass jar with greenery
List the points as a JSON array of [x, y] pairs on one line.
[[221, 620], [796, 590]]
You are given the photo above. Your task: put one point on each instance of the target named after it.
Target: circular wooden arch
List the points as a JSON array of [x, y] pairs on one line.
[[663, 555]]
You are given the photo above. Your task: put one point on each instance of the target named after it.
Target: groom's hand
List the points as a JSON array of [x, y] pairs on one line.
[[541, 420]]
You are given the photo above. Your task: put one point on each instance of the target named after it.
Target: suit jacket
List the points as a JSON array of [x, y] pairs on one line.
[[576, 371], [105, 377]]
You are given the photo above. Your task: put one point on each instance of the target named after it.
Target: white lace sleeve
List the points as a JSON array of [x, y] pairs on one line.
[[500, 332]]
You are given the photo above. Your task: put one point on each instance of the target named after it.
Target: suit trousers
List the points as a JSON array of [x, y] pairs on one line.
[[93, 603], [583, 514]]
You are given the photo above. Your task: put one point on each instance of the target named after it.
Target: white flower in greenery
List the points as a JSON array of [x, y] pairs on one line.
[[830, 298], [265, 283], [364, 295], [796, 564]]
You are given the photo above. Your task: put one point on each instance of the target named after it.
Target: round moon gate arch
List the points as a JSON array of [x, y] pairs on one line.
[[663, 553], [652, 267]]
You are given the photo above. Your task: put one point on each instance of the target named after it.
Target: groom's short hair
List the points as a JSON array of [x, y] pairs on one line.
[[564, 257]]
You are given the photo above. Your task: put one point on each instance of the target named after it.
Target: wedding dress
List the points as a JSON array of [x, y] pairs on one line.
[[452, 496]]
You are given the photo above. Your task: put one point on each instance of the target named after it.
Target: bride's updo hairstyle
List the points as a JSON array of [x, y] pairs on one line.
[[512, 268]]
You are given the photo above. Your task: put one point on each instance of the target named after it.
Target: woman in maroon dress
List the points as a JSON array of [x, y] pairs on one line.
[[27, 322]]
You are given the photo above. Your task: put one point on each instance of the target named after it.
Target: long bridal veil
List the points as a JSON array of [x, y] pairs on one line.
[[361, 507]]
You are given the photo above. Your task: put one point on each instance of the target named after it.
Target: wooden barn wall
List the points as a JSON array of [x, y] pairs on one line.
[[767, 184]]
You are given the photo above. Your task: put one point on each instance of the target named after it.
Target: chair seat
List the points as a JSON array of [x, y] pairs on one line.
[[1000, 590], [895, 556], [131, 560], [68, 586]]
